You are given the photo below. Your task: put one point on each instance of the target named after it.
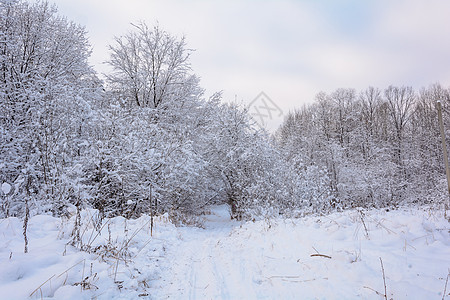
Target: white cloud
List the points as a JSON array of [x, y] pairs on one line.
[[289, 49]]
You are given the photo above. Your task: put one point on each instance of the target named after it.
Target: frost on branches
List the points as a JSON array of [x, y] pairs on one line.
[[145, 142], [47, 89], [375, 148], [148, 141]]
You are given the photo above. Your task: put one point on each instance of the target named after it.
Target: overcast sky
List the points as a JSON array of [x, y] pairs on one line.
[[290, 50]]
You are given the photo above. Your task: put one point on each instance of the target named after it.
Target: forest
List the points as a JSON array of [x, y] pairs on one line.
[[147, 140]]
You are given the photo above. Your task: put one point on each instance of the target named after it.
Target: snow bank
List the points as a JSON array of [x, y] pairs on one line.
[[330, 257], [119, 261]]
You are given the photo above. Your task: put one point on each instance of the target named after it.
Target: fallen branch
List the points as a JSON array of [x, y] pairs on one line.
[[321, 255], [318, 254]]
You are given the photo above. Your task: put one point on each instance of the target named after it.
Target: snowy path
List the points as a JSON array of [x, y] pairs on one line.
[[198, 269], [272, 259]]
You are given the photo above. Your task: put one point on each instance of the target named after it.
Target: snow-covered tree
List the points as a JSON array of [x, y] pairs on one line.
[[150, 66], [379, 149], [45, 87]]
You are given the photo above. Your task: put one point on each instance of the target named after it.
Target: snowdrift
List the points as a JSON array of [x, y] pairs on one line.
[[351, 255]]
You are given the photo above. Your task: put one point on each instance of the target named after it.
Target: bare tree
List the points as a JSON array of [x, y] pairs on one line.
[[370, 101], [343, 100], [149, 65], [400, 102]]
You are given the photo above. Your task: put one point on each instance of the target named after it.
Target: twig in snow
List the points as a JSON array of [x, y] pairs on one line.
[[321, 255], [445, 288], [378, 293], [384, 279], [82, 275], [115, 272], [318, 254]]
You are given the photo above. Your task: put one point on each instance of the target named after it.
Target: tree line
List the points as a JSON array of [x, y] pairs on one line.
[[373, 148]]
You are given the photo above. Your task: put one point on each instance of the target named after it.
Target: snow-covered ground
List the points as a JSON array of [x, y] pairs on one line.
[[329, 257]]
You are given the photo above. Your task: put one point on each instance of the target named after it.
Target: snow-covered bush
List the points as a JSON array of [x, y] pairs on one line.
[[45, 89]]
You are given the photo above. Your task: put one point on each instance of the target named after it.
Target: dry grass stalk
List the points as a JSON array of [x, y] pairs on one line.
[[377, 292], [39, 287], [445, 287], [362, 216], [65, 272], [384, 279], [384, 283]]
